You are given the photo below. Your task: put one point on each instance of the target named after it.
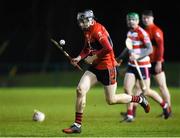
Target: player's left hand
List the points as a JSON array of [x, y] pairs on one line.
[[90, 59]]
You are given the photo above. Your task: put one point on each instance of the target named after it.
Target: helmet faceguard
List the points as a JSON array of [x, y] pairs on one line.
[[85, 19]]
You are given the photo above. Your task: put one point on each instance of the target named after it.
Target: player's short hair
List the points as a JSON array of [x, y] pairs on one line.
[[147, 12]]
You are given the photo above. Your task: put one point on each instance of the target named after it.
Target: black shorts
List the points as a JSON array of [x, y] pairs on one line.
[[152, 70], [107, 76], [145, 71]]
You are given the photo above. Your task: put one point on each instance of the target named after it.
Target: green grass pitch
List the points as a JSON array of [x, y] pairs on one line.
[[100, 120]]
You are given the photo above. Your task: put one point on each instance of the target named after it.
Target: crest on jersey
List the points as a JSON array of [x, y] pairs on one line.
[[158, 34], [100, 35]]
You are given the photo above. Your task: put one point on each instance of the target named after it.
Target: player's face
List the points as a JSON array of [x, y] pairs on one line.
[[147, 20], [85, 24], [132, 22]]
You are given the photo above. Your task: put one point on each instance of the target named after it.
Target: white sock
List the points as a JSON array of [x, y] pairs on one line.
[[140, 101], [78, 125]]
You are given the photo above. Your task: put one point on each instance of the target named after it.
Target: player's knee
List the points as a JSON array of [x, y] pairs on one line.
[[147, 92], [162, 87], [126, 90], [80, 91], [110, 101], [83, 104]]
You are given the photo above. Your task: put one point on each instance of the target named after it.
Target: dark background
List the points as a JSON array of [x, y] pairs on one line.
[[26, 27]]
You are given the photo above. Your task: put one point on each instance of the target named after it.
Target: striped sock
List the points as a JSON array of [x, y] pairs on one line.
[[136, 99], [78, 118]]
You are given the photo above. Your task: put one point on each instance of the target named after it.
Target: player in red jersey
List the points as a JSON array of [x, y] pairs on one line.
[[98, 52], [157, 57]]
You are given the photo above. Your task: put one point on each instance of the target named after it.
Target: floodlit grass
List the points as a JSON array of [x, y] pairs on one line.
[[17, 106]]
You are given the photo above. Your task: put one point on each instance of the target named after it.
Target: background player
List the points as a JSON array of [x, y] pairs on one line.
[[142, 47]]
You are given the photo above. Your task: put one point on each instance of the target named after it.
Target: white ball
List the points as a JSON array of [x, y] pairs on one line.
[[62, 42], [38, 116]]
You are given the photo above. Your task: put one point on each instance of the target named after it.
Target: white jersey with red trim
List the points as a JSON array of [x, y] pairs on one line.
[[139, 38]]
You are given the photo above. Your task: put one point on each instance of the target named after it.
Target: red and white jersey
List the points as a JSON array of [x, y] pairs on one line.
[[139, 37], [98, 41], [157, 39]]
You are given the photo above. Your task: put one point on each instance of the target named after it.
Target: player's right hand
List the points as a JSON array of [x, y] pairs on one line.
[[74, 61], [134, 56], [119, 62]]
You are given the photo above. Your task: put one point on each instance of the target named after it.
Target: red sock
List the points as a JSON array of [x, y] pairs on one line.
[[129, 112], [134, 110], [135, 99], [78, 118], [163, 104]]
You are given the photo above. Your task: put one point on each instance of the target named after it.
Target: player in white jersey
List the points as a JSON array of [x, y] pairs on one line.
[[141, 49]]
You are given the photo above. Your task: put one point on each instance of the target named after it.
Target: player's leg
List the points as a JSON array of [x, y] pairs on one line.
[[128, 88], [136, 91], [108, 79], [110, 86], [87, 80], [113, 98], [156, 97], [160, 78], [152, 93], [130, 79], [148, 91], [161, 81], [129, 83]]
